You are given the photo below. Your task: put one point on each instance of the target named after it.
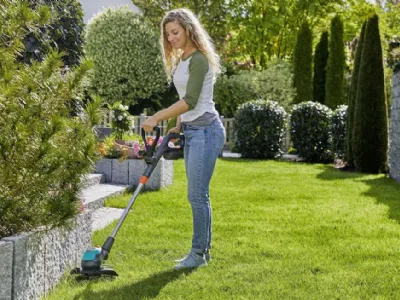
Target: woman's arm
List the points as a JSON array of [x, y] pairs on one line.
[[174, 110]]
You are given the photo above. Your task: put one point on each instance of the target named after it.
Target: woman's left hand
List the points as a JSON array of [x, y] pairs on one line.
[[149, 124]]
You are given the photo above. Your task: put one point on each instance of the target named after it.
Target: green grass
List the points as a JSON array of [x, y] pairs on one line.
[[281, 231]]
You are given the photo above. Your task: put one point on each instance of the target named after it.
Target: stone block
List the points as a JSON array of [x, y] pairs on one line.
[[6, 265], [119, 171], [161, 177], [104, 166], [29, 266], [41, 258]]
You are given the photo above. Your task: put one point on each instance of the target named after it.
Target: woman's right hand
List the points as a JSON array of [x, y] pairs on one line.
[[174, 130]]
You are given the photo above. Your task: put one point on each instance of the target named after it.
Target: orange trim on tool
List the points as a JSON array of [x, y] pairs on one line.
[[143, 179]]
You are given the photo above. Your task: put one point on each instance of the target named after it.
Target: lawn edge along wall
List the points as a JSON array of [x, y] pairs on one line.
[[32, 263]]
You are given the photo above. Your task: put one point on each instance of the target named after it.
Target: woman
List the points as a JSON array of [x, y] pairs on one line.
[[192, 64]]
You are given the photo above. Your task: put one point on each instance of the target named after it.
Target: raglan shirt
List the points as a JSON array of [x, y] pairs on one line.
[[194, 80]]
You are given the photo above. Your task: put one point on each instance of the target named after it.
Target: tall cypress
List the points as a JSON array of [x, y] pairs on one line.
[[370, 128], [352, 98], [320, 61], [303, 64], [336, 65]]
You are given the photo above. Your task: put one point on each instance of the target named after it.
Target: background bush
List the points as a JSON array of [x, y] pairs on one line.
[[65, 32], [338, 130], [310, 131], [275, 82], [43, 152], [259, 129], [126, 55]]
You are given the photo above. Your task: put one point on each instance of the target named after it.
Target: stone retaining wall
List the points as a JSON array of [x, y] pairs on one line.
[[394, 132], [31, 264], [129, 172]]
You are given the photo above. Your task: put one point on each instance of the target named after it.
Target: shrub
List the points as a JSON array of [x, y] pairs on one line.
[[127, 58], [275, 82], [310, 131], [230, 92], [302, 62], [65, 33], [370, 128], [336, 65], [43, 152], [260, 128], [338, 130]]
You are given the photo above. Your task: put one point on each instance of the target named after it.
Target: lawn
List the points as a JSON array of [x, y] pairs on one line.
[[281, 230]]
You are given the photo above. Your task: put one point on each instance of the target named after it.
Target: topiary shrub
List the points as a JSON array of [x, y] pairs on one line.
[[65, 32], [338, 130], [259, 129], [43, 152], [127, 57], [310, 131]]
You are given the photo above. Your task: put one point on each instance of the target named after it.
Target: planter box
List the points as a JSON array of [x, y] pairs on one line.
[[129, 171], [33, 263]]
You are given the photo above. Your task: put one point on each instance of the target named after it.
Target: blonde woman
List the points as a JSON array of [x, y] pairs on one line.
[[192, 64]]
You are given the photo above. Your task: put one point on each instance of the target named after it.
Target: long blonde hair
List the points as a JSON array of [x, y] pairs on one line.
[[195, 32]]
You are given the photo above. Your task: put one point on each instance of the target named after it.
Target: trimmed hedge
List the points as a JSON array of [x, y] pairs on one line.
[[310, 131], [259, 129]]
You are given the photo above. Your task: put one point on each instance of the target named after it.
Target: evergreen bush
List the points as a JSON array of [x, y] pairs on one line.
[[370, 128], [126, 54], [260, 129], [310, 131], [65, 33], [43, 152]]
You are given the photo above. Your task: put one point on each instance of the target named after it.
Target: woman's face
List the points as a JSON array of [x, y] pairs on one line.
[[176, 35]]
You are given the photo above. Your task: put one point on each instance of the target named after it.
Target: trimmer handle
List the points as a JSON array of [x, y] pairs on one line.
[[150, 149]]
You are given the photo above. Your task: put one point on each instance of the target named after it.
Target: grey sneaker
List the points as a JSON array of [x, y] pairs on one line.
[[192, 260], [207, 256]]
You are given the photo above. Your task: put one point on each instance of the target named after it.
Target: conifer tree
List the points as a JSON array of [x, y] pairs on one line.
[[320, 61], [370, 128], [336, 65], [352, 98], [302, 64]]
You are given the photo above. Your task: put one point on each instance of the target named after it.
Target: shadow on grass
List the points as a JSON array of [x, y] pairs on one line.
[[384, 189], [145, 289]]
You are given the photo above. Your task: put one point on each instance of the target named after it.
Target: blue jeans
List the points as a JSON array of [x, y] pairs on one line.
[[203, 144]]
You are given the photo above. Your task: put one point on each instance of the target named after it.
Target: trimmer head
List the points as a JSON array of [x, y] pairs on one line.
[[92, 264]]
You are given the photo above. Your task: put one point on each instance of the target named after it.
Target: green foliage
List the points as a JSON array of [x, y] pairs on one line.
[[122, 121], [302, 62], [274, 83], [352, 98], [260, 128], [370, 128], [338, 130], [127, 57], [95, 110], [320, 61], [43, 152], [336, 65], [310, 131], [230, 92], [65, 33]]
